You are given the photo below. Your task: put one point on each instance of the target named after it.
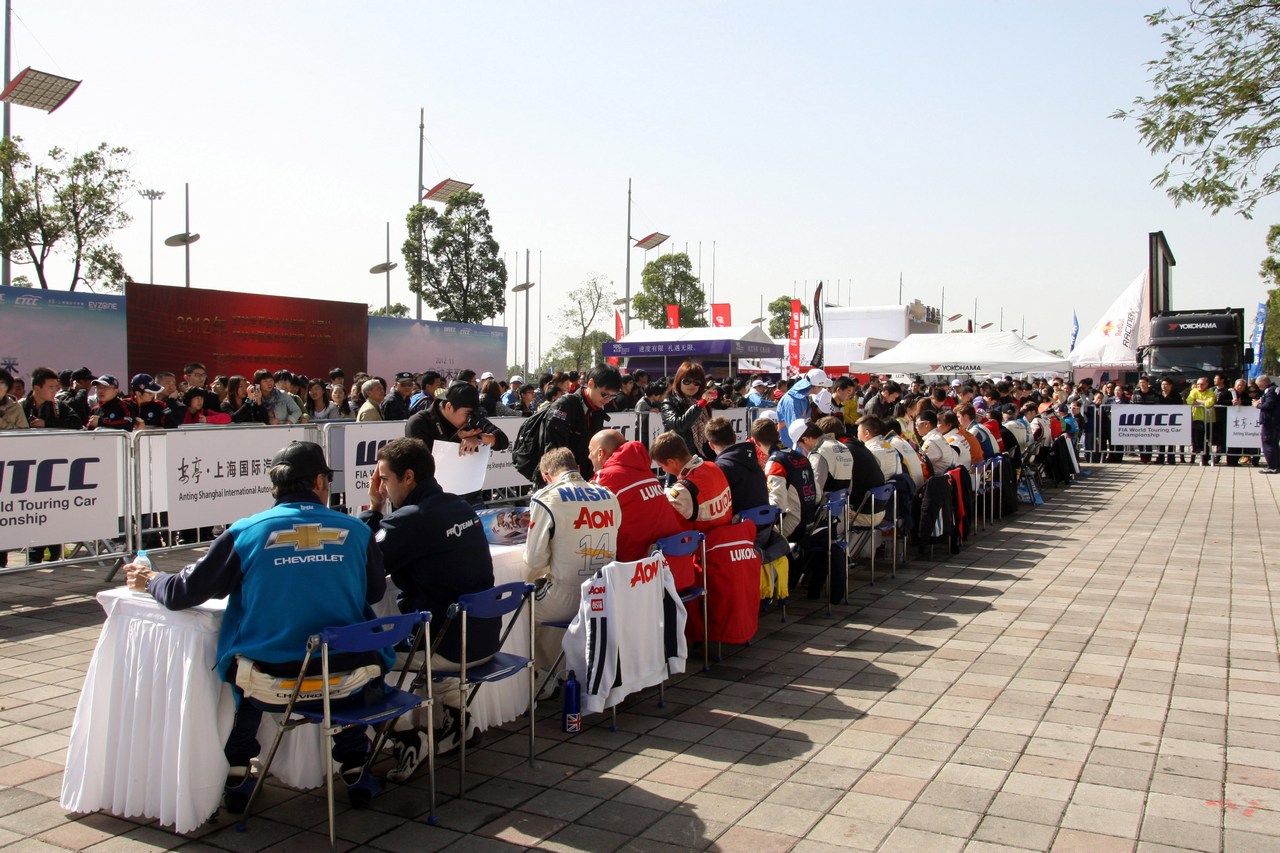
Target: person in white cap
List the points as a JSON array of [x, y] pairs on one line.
[[758, 396], [795, 404], [511, 399]]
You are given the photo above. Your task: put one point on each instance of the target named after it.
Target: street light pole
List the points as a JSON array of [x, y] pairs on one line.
[[627, 324], [186, 228], [152, 196]]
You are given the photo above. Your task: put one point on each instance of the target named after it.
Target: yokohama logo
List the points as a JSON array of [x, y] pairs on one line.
[[1173, 326]]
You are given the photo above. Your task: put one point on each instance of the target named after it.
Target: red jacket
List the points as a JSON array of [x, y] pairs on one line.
[[647, 515]]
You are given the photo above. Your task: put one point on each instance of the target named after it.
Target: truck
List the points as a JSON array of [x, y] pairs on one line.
[[1185, 345]]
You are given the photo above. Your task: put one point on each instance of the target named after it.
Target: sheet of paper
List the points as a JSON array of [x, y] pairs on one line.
[[460, 475]]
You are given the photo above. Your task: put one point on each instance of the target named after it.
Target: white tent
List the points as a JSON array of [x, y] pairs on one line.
[[963, 352]]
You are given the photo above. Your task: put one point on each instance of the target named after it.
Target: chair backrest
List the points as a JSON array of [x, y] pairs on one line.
[[374, 634], [681, 544], [836, 501], [763, 516], [492, 603]]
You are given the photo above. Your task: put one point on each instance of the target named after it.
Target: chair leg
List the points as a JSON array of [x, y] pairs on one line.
[[706, 631], [462, 741], [613, 725], [533, 707], [262, 773], [431, 757], [327, 767]]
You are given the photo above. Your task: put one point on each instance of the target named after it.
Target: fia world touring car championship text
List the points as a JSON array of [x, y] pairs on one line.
[[216, 494]]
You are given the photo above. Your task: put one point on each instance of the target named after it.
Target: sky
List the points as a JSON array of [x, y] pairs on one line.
[[965, 147]]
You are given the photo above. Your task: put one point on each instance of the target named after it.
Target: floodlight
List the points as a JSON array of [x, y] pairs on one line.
[[38, 89], [183, 239], [386, 266], [653, 241], [447, 188]]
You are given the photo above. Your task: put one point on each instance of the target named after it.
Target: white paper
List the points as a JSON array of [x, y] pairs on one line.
[[460, 475]]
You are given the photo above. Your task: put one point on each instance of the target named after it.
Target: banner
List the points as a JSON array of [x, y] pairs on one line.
[[1244, 427], [793, 340], [238, 333], [721, 314], [1113, 341], [673, 316], [1075, 329], [1131, 424], [818, 359], [62, 330], [617, 334], [353, 454], [1259, 326], [219, 474], [58, 485], [396, 344], [502, 473]]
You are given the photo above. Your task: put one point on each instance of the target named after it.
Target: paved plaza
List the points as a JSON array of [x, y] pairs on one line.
[[1098, 674]]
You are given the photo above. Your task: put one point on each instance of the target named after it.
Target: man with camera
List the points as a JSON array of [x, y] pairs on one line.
[[456, 417]]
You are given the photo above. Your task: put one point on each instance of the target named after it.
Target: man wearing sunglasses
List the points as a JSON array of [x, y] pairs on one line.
[[575, 417]]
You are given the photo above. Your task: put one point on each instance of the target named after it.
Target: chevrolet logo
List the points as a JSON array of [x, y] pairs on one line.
[[307, 537]]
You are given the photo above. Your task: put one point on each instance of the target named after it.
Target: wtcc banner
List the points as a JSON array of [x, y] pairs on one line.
[[56, 486], [1244, 428], [218, 475], [353, 454], [1150, 425]]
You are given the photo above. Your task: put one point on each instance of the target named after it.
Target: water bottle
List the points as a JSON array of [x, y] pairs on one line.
[[143, 560], [572, 708]]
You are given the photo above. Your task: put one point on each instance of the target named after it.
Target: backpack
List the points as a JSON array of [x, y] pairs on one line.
[[526, 450]]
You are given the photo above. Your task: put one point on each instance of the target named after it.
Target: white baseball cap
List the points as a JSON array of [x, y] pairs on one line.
[[795, 429], [486, 375], [819, 378], [769, 414], [823, 401], [515, 379], [759, 383]]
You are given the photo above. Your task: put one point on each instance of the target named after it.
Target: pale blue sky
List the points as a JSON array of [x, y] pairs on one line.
[[966, 146]]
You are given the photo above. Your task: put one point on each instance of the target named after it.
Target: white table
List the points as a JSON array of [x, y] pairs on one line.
[[153, 715]]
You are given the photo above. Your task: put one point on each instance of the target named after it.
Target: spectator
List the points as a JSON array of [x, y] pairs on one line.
[[1268, 406], [78, 398], [372, 393], [491, 401], [259, 634], [42, 407], [342, 405], [1144, 395], [219, 388], [795, 405], [396, 405], [195, 411], [700, 492], [685, 408], [152, 412], [111, 412], [279, 404], [435, 550], [1224, 399], [1202, 398], [244, 402], [625, 469], [525, 404], [587, 517], [432, 385], [195, 375], [456, 417], [511, 399], [11, 414], [317, 406], [1241, 396], [757, 397], [881, 404], [578, 416]]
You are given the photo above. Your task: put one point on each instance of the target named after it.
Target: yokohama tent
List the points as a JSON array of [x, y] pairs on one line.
[[963, 352]]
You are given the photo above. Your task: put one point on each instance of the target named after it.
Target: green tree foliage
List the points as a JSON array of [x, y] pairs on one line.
[[669, 280], [460, 275], [398, 309], [1270, 273], [68, 206], [779, 314], [586, 307], [1214, 111], [572, 352]]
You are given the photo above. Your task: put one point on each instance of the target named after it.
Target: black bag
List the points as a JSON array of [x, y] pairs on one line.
[[526, 450]]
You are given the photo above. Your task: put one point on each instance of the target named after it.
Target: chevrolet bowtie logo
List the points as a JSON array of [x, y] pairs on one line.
[[307, 537]]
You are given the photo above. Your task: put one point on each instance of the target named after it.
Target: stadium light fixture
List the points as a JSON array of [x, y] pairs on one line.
[[39, 90]]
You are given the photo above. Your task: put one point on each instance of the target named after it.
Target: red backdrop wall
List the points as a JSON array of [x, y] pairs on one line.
[[232, 333]]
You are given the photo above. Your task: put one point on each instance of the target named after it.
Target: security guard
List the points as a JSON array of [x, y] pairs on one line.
[[288, 572], [396, 406]]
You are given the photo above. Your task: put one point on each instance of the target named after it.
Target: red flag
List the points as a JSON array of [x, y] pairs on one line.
[[970, 325], [793, 343], [673, 316], [721, 314], [617, 334]]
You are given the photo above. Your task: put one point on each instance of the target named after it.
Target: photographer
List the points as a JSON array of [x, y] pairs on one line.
[[456, 417], [244, 402], [685, 409]]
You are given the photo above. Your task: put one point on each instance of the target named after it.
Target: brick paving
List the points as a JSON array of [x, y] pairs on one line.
[[1098, 674]]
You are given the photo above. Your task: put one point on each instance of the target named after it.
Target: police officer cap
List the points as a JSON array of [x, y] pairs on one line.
[[304, 459], [462, 395], [404, 376]]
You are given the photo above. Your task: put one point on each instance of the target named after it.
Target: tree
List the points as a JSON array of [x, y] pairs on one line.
[[779, 314], [1214, 109], [398, 309], [587, 305], [574, 353], [1270, 273], [669, 280], [460, 275], [70, 207]]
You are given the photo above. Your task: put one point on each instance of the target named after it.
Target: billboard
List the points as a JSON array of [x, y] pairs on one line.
[[417, 345], [61, 330], [232, 333]]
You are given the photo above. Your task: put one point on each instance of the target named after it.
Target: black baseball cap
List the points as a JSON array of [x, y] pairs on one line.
[[304, 459], [462, 395], [81, 373]]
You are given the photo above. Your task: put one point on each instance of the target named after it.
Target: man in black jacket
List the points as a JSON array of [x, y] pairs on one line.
[[435, 550], [43, 409], [1145, 395], [456, 417], [575, 417]]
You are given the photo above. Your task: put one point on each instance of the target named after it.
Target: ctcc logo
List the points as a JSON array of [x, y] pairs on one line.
[[51, 475]]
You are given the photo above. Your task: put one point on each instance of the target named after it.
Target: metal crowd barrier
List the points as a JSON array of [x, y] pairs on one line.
[[1229, 433], [59, 487]]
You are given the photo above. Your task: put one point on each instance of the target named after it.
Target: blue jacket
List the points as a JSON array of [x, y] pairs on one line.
[[794, 405], [747, 486], [288, 572], [758, 401]]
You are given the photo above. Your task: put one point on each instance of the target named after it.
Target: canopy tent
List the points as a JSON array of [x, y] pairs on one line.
[[722, 345], [963, 352]]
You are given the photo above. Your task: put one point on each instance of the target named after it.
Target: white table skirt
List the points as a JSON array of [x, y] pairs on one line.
[[153, 715]]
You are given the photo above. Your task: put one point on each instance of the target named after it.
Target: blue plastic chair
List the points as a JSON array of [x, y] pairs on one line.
[[766, 516], [682, 545], [875, 500], [493, 603], [369, 636], [837, 506]]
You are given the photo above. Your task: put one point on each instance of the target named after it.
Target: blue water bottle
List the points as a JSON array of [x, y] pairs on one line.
[[572, 708]]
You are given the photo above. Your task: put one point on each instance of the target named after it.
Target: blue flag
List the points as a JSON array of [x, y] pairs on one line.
[[1259, 327], [1075, 329]]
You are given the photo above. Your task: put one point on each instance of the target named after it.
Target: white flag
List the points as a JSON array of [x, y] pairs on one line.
[[1113, 341]]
